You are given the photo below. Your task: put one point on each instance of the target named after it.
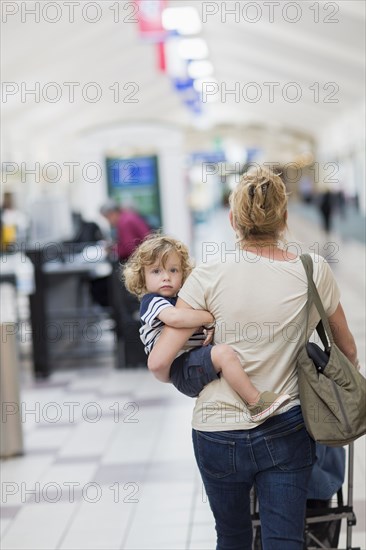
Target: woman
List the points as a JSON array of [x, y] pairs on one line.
[[258, 298]]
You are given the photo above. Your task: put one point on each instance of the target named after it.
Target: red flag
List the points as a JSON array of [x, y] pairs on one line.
[[161, 56], [149, 16]]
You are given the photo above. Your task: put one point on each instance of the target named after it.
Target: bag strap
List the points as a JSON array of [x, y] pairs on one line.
[[323, 327]]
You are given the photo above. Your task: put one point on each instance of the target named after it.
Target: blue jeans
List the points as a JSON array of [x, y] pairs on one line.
[[276, 457], [193, 370]]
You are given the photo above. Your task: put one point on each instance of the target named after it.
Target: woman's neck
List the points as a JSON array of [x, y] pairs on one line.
[[259, 244], [267, 249]]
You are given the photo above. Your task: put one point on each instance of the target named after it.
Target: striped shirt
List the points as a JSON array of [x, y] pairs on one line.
[[151, 327]]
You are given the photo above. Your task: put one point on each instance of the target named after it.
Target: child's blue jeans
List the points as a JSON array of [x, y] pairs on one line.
[[193, 370]]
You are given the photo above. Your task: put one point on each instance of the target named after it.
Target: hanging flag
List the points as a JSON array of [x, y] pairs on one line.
[[160, 47], [149, 14]]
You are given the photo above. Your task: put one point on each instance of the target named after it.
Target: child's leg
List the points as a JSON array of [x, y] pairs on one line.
[[226, 361], [193, 370], [260, 405]]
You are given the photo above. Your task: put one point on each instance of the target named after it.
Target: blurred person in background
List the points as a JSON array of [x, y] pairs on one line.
[[130, 228], [14, 224], [326, 207], [263, 284], [306, 189]]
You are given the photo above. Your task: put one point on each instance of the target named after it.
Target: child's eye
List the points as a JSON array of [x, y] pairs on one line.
[[156, 271], [174, 270]]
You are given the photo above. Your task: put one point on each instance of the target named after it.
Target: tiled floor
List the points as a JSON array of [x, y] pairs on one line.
[[108, 461]]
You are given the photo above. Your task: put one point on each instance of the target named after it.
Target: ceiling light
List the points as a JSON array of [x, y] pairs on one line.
[[193, 48], [200, 69], [185, 20], [176, 66]]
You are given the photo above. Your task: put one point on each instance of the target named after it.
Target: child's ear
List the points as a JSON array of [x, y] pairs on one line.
[[231, 218]]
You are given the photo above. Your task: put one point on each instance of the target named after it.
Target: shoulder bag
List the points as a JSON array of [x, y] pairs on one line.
[[332, 391]]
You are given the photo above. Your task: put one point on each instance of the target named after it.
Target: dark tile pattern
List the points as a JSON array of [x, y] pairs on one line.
[[9, 512]]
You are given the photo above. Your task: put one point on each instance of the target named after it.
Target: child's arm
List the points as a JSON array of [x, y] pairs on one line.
[[185, 317], [169, 343], [165, 350]]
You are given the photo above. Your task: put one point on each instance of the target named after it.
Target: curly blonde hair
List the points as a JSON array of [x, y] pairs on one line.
[[155, 247], [259, 204]]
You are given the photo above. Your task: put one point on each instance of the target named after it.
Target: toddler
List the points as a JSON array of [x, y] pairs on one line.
[[155, 273]]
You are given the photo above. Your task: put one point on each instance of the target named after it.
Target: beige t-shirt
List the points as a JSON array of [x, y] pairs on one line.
[[260, 309]]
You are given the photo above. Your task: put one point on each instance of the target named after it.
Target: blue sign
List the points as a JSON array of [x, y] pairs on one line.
[[208, 156], [136, 181], [132, 172]]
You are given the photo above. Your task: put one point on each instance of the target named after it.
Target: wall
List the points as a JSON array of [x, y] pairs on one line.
[[133, 139], [344, 143], [72, 168]]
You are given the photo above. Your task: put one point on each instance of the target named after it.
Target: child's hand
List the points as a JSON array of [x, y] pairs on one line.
[[209, 332]]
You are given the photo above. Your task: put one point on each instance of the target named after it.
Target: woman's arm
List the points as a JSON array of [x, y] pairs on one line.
[[182, 317], [166, 348], [342, 335]]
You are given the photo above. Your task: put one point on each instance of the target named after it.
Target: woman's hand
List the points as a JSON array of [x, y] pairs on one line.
[[209, 332]]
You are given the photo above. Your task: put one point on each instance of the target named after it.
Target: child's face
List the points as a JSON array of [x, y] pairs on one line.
[[165, 280]]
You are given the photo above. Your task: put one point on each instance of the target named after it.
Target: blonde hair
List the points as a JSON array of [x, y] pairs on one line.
[[155, 247], [258, 205]]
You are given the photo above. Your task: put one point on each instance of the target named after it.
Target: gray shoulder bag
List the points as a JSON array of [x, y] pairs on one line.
[[332, 391]]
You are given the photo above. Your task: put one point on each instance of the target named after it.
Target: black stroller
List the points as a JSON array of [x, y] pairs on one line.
[[323, 520]]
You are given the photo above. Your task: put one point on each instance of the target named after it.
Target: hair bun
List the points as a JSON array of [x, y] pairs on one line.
[[258, 204]]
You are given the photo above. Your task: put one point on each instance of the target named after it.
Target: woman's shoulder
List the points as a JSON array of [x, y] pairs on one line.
[[319, 262], [214, 267], [317, 258], [322, 271], [210, 267]]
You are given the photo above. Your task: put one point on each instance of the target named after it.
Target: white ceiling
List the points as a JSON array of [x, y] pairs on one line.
[[105, 52]]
